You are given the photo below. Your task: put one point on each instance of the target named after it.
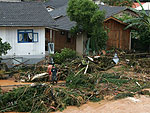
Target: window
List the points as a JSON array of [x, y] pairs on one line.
[[27, 36], [68, 37], [62, 32]]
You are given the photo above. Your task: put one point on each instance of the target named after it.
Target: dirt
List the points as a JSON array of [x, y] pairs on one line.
[[7, 85], [127, 105]]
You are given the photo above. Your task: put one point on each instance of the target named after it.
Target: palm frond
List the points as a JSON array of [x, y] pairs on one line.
[[133, 25], [132, 20], [141, 6]]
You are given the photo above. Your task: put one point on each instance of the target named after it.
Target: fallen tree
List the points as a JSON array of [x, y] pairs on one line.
[[80, 89]]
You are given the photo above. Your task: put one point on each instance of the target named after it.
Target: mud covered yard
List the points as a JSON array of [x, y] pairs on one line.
[[139, 104]]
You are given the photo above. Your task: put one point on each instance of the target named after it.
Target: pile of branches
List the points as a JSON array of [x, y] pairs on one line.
[[80, 64], [80, 89], [140, 65], [26, 73], [41, 98]]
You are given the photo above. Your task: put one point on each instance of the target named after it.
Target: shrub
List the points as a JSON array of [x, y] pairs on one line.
[[65, 53]]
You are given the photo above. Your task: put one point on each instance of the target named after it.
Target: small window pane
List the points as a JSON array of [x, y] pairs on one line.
[[30, 37], [20, 37], [35, 37]]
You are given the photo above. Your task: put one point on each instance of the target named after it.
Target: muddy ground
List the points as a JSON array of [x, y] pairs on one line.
[[8, 85], [128, 105]]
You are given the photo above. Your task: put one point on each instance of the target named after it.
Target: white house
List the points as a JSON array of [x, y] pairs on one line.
[[22, 24]]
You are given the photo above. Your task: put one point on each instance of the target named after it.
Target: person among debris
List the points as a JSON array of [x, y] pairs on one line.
[[54, 74], [49, 70]]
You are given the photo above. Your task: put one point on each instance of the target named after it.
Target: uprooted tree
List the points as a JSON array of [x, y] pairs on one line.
[[90, 21], [4, 47]]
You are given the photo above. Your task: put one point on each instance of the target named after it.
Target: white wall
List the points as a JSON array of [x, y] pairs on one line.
[[80, 43], [36, 49]]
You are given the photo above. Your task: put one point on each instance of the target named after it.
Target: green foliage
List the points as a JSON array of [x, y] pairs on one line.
[[89, 20], [123, 17], [95, 99], [4, 46], [123, 95], [89, 81], [142, 24], [40, 99], [14, 98], [63, 55], [80, 81], [119, 2]]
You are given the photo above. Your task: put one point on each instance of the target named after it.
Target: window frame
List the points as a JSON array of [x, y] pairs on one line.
[[26, 31]]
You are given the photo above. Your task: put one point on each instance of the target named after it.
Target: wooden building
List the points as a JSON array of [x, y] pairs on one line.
[[118, 36], [60, 38]]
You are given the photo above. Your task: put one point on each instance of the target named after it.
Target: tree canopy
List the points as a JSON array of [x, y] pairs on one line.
[[89, 20], [4, 47]]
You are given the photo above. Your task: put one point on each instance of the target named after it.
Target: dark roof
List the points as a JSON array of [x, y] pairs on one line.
[[64, 23], [111, 10], [55, 3], [24, 14], [61, 11]]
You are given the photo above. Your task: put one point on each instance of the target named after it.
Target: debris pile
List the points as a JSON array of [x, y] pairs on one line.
[[80, 89], [41, 98], [26, 73], [85, 65], [86, 79], [140, 65]]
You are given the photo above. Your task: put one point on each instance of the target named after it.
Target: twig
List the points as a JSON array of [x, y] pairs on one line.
[[23, 93], [34, 102], [86, 68], [79, 71]]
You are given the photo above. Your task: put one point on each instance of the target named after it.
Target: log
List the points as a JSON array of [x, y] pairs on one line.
[[42, 75]]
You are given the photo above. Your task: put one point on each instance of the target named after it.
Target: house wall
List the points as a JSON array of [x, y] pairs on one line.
[[118, 37], [61, 41], [26, 50]]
